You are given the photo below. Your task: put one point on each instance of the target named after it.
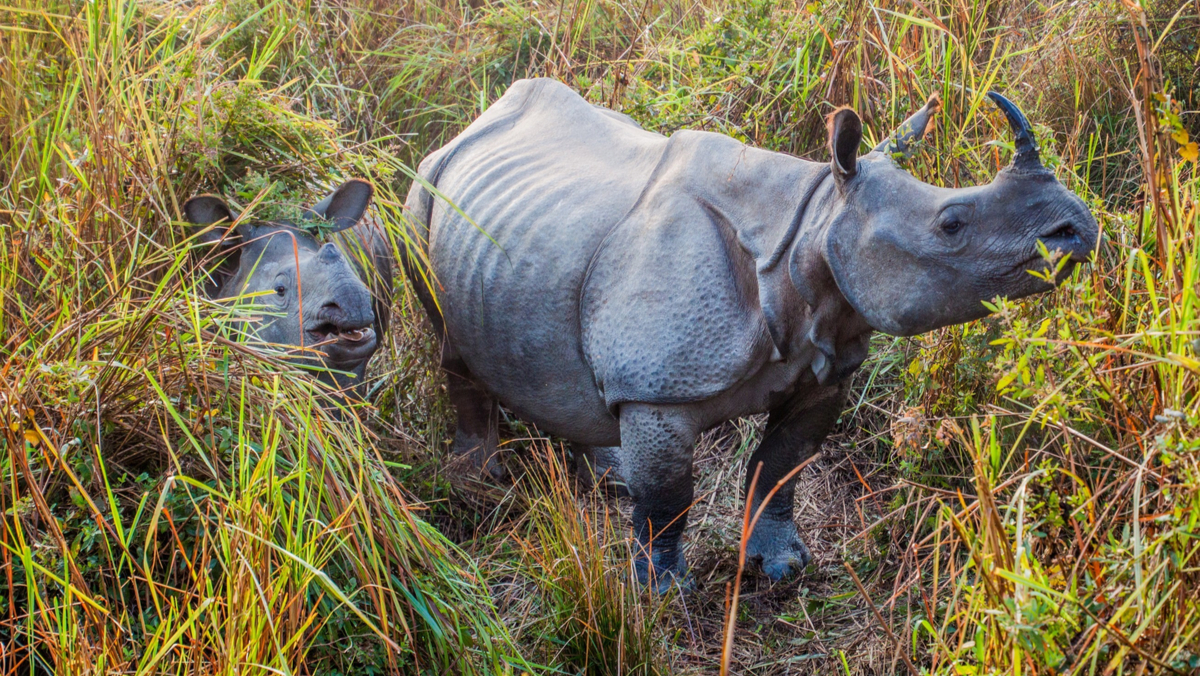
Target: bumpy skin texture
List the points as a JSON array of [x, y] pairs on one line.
[[627, 291], [313, 295]]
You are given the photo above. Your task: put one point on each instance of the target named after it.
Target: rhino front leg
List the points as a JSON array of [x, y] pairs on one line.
[[794, 432], [477, 436], [656, 462]]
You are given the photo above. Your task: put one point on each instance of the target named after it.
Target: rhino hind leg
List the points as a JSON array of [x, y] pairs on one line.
[[794, 432], [656, 460], [477, 437], [477, 434], [600, 467]]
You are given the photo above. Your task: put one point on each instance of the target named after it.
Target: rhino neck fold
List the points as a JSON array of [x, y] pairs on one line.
[[787, 241], [829, 329], [783, 209], [779, 299]]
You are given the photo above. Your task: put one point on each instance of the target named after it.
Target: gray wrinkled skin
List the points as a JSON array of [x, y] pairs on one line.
[[627, 291], [314, 301]]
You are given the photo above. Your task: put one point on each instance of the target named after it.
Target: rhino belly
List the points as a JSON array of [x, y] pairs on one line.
[[509, 282], [511, 308]]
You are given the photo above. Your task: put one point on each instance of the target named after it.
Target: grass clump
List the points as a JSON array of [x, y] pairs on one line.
[[597, 619]]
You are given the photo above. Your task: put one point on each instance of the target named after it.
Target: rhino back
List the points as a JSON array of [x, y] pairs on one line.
[[544, 176]]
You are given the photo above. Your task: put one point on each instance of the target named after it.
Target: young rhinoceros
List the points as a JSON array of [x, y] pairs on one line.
[[313, 295], [620, 288]]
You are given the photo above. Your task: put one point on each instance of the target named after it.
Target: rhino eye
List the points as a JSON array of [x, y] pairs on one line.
[[954, 217], [952, 226], [281, 290]]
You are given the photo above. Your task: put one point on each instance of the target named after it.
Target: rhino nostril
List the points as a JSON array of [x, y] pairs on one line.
[[1064, 231]]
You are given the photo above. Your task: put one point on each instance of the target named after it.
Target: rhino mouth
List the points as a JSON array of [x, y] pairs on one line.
[[1029, 274], [343, 344]]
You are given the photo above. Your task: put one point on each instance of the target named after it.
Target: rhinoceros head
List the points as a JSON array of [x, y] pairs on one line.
[[911, 257], [309, 291]]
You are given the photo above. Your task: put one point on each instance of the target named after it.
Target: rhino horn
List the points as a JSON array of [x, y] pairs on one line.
[[911, 130], [1027, 158]]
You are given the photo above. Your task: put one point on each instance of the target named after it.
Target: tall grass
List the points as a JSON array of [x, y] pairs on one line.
[[172, 501], [175, 498], [597, 619]]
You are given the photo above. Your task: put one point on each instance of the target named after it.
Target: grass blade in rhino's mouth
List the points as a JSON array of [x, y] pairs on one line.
[[327, 333], [355, 335]]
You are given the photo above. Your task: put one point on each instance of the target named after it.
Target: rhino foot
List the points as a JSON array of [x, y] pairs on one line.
[[778, 546], [663, 570], [478, 456]]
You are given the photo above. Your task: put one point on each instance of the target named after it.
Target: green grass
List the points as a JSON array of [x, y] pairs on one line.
[[1018, 495], [596, 617]]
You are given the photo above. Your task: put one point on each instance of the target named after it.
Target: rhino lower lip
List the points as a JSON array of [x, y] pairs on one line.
[[1037, 263], [1032, 263], [329, 335]]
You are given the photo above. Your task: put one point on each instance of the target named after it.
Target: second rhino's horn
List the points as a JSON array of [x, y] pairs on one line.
[[1026, 158]]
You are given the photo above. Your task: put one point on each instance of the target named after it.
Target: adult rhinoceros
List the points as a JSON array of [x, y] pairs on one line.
[[314, 295], [618, 287]]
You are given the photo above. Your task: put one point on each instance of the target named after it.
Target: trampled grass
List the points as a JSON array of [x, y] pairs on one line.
[[1018, 495]]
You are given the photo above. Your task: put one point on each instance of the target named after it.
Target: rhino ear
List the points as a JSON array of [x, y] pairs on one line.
[[346, 206], [209, 210], [213, 218], [911, 130], [845, 135]]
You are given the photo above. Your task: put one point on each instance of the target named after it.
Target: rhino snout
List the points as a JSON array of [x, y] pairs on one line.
[[348, 310], [342, 325], [1073, 239]]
